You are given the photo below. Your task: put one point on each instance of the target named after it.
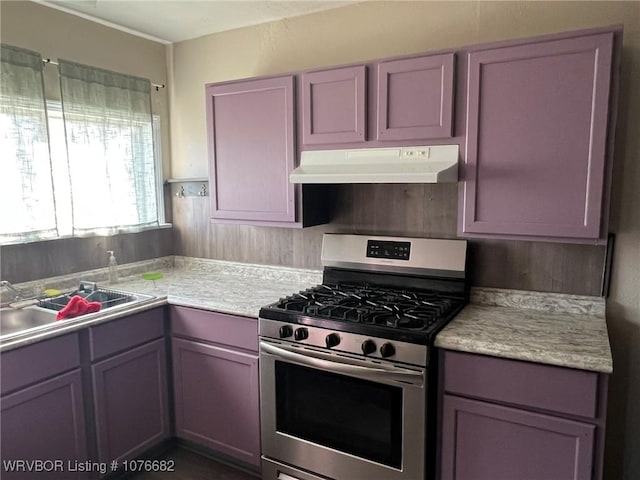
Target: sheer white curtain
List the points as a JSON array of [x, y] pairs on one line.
[[27, 206], [109, 133]]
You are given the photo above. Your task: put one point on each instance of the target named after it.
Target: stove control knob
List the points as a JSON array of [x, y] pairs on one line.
[[368, 347], [286, 331], [332, 340], [301, 334], [387, 350]]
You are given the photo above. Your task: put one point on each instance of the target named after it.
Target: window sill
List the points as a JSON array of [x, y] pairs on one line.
[[162, 226]]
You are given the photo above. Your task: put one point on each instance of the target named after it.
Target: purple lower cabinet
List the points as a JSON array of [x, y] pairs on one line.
[[483, 441], [214, 327], [507, 419], [44, 422], [216, 399], [38, 361], [107, 339], [131, 404], [533, 386]]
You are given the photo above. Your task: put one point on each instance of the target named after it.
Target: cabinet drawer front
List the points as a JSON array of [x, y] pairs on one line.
[[127, 332], [534, 385], [481, 441], [27, 365], [235, 331]]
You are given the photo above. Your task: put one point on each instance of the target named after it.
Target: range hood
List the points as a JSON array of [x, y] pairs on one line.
[[422, 164]]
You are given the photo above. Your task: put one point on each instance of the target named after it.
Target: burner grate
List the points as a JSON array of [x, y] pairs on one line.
[[398, 309]]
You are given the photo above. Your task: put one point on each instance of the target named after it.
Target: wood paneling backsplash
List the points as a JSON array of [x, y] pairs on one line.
[[422, 210], [31, 261]]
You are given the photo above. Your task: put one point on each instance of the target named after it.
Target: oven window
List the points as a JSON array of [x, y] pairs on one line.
[[355, 416]]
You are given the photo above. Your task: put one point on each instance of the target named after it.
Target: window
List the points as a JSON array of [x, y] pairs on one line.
[[26, 188], [109, 136], [89, 165], [27, 209], [62, 184]]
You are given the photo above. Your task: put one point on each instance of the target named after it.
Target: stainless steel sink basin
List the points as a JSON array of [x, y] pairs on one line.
[[107, 298], [18, 320]]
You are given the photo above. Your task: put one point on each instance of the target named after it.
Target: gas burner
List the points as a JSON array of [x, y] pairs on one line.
[[367, 305], [292, 304]]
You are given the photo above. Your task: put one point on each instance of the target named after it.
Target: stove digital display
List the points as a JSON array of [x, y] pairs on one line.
[[387, 249]]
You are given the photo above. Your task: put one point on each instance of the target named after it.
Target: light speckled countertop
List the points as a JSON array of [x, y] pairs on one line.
[[565, 330], [228, 287], [239, 289]]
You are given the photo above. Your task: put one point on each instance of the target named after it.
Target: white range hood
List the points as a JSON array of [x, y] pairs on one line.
[[423, 164]]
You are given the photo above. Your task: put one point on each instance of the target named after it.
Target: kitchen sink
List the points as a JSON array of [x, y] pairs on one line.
[[17, 320], [107, 298]]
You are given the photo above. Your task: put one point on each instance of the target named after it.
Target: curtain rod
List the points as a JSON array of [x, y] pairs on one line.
[[51, 62]]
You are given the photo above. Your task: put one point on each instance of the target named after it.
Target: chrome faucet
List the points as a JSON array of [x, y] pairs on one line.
[[12, 289]]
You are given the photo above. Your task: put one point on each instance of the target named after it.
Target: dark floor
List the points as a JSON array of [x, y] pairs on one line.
[[191, 466]]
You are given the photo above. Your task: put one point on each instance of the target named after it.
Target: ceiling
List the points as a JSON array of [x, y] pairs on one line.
[[177, 20]]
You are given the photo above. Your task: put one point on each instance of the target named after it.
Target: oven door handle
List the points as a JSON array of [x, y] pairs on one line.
[[318, 360]]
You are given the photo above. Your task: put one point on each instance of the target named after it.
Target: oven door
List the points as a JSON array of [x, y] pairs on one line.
[[341, 416]]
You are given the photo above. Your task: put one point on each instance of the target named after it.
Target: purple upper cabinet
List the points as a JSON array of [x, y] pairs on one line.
[[334, 106], [251, 150], [536, 139], [415, 98]]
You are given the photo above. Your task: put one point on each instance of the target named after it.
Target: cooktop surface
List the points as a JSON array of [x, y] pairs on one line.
[[413, 315]]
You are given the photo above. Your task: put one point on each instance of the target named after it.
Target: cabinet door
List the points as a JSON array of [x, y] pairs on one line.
[[130, 395], [251, 150], [415, 98], [216, 399], [482, 441], [334, 106], [537, 133], [45, 422]]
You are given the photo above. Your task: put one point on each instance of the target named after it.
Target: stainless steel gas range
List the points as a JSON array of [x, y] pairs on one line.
[[347, 368]]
